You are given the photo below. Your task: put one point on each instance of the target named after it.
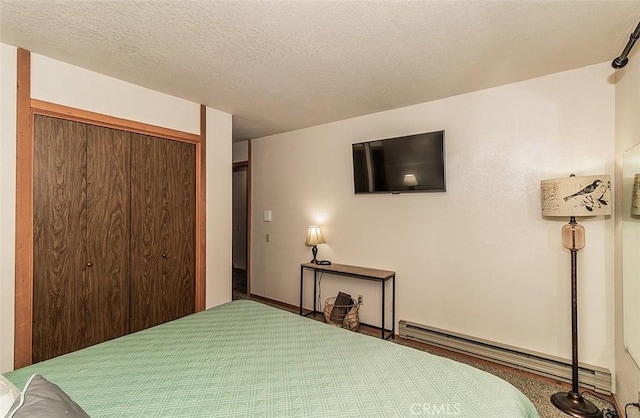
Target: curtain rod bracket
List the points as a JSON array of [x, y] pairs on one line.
[[622, 60]]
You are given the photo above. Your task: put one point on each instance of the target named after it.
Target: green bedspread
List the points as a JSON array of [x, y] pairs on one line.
[[247, 359]]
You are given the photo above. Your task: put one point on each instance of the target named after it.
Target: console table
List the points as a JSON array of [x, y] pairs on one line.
[[381, 276]]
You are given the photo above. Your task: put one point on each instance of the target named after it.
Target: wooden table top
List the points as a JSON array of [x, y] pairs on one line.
[[352, 270]]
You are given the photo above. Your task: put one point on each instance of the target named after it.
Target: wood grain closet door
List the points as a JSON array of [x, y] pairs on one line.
[[162, 231], [179, 265], [106, 285], [147, 190], [59, 226]]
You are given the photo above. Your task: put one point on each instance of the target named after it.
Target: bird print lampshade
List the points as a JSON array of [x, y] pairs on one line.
[[576, 196], [635, 200]]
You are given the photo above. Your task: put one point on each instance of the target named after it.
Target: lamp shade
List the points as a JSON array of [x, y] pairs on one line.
[[314, 236], [635, 200], [576, 196], [410, 180]]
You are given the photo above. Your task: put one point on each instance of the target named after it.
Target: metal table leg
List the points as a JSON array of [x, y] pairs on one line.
[[383, 323], [393, 307], [315, 290], [301, 280]]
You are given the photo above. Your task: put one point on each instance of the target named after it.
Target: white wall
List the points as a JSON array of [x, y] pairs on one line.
[[61, 83], [627, 136], [8, 202], [219, 225], [58, 82], [478, 259], [240, 151]]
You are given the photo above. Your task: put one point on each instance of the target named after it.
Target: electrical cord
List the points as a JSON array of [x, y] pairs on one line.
[[320, 291], [636, 404], [608, 413], [612, 413]]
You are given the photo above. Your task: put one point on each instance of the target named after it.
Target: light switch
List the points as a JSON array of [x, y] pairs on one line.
[[267, 216]]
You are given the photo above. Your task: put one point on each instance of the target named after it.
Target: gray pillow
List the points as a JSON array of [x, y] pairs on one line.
[[41, 398]]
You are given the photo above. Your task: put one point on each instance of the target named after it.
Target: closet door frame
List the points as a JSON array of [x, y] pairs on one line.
[[27, 108]]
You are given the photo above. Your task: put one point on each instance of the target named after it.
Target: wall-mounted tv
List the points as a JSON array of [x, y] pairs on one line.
[[413, 163]]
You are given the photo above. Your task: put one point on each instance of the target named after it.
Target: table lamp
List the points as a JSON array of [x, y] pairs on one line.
[[314, 237]]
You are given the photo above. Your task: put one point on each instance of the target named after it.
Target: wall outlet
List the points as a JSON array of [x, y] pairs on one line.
[[267, 238], [360, 302]]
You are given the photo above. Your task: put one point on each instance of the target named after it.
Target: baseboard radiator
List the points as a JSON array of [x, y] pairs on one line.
[[591, 377]]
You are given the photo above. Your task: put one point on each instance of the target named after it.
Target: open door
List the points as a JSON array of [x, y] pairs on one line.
[[240, 257]]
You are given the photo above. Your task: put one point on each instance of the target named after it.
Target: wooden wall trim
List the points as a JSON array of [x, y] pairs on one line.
[[26, 107], [24, 213], [98, 119], [201, 214], [238, 166]]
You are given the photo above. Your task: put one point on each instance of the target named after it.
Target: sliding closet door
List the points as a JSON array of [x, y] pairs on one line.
[[59, 228], [147, 174], [162, 231], [179, 265], [106, 285], [114, 234]]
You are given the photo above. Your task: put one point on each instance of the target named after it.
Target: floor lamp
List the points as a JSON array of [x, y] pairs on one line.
[[570, 197]]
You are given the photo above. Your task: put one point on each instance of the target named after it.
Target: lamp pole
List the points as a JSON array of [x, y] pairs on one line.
[[573, 403]]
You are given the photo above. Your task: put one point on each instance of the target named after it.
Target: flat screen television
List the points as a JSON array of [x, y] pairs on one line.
[[406, 164]]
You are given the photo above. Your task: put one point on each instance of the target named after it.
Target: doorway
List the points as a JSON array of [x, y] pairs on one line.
[[240, 258]]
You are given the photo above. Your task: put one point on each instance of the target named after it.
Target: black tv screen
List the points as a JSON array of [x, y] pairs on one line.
[[413, 163]]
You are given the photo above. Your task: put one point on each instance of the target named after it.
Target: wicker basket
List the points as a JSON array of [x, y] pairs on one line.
[[345, 316]]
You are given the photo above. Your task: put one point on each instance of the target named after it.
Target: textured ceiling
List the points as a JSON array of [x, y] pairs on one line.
[[283, 65]]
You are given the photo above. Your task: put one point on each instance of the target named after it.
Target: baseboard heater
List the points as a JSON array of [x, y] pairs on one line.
[[591, 377]]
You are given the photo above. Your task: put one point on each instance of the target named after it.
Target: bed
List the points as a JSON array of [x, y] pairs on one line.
[[244, 358]]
